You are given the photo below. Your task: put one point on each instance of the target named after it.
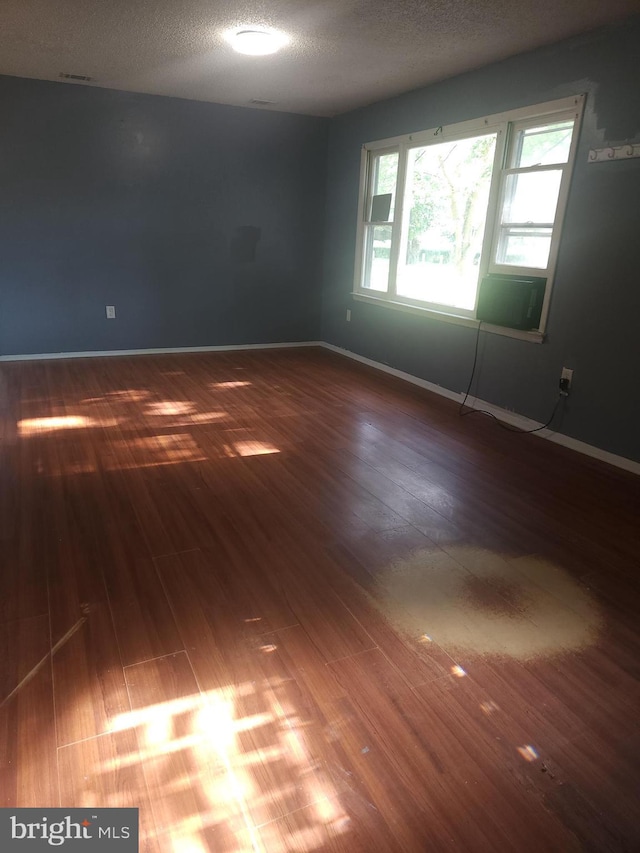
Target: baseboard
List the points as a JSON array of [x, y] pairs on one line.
[[511, 418], [160, 351], [593, 451]]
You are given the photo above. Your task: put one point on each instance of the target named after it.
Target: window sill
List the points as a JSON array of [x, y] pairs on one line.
[[534, 337]]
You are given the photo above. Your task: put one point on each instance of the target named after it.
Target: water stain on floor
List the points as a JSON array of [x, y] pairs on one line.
[[478, 601]]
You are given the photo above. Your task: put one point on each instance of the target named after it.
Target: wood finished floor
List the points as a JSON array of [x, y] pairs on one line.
[[281, 602]]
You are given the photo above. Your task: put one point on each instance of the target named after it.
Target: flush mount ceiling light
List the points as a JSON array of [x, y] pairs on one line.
[[256, 41]]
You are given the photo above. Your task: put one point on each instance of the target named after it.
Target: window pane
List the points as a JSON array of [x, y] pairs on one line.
[[445, 212], [384, 177], [524, 247], [378, 251], [543, 146], [531, 197]]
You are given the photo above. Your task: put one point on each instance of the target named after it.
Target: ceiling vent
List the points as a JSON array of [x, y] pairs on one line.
[[259, 102], [83, 77]]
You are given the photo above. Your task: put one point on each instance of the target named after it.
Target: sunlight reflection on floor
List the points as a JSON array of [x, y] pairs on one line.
[[169, 407], [134, 412], [29, 426], [213, 766], [230, 384], [253, 448]]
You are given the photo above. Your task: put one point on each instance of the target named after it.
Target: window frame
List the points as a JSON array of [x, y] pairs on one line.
[[506, 126], [371, 224]]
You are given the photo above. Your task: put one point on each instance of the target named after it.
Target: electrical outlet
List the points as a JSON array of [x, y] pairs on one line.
[[566, 379], [111, 312], [348, 315]]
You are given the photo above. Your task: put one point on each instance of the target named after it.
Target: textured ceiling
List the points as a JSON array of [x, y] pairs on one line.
[[343, 53]]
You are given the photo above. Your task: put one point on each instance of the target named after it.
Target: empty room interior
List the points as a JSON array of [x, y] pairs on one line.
[[319, 425]]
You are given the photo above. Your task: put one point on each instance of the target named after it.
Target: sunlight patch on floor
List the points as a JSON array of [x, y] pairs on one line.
[[237, 758], [253, 448], [155, 450], [223, 385], [31, 426], [167, 408]]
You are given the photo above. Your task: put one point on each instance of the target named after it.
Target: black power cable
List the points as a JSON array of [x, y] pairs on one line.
[[500, 423]]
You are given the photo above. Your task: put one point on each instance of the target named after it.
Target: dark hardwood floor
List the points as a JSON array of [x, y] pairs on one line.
[[281, 602]]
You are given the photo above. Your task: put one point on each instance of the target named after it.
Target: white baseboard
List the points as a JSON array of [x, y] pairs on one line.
[[593, 451], [160, 351], [511, 418], [408, 377]]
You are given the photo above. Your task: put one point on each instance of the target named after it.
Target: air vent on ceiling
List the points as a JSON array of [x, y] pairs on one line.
[[66, 76], [259, 102]]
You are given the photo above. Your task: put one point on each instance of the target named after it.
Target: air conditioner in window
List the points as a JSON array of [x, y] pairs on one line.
[[513, 301]]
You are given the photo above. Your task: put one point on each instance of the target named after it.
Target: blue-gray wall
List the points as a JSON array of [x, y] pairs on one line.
[[595, 313], [111, 198], [132, 200]]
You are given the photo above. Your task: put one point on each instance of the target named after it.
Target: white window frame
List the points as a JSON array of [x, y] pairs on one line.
[[367, 204], [505, 126]]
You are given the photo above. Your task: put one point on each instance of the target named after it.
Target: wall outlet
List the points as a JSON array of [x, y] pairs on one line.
[[566, 378], [348, 315], [111, 312]]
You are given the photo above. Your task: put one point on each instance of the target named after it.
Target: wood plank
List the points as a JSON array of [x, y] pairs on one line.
[[106, 772], [186, 746], [343, 823], [89, 686], [569, 789], [28, 767], [144, 624], [275, 599], [417, 655], [485, 809], [24, 650], [332, 628], [27, 536], [289, 671], [233, 664]]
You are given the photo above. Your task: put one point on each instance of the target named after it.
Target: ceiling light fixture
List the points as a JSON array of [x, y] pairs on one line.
[[256, 41]]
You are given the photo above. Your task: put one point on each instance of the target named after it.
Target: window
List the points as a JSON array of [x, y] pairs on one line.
[[537, 160], [379, 227], [442, 208]]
